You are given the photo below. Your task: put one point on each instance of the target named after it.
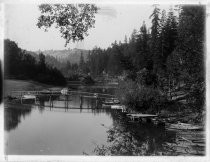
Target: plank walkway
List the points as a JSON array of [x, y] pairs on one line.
[[51, 93], [137, 116]]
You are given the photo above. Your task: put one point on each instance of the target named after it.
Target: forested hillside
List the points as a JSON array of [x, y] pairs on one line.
[[71, 55], [167, 58], [19, 64]]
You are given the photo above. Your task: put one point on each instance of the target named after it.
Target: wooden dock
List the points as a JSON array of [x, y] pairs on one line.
[[139, 116], [19, 94], [23, 96]]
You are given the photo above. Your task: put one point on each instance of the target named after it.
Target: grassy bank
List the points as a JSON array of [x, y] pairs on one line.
[[25, 85]]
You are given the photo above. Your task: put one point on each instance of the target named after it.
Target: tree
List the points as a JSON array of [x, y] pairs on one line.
[[171, 33], [73, 20], [42, 64], [155, 29], [81, 62], [167, 38], [126, 40], [142, 47], [191, 40], [20, 64], [12, 57], [133, 36], [162, 42]]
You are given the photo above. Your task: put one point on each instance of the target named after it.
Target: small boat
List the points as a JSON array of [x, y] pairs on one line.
[[29, 96], [111, 102], [117, 107], [185, 126], [45, 92], [106, 106]]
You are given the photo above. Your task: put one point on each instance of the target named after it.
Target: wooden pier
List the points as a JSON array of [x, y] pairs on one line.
[[140, 116], [52, 93], [63, 95]]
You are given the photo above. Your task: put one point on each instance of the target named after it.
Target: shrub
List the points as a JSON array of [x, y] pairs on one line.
[[88, 80], [196, 97], [140, 98]]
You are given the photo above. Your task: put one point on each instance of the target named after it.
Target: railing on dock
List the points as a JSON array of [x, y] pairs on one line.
[[34, 95], [84, 94]]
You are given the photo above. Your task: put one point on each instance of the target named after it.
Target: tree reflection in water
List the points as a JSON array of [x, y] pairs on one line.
[[126, 138], [13, 114]]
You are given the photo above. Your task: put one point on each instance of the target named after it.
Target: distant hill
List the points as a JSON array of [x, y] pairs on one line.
[[71, 55], [58, 58]]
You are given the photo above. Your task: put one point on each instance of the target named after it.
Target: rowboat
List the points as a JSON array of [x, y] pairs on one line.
[[184, 126], [117, 107], [29, 96], [111, 102]]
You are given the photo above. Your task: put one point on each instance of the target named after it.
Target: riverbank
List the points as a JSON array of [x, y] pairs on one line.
[[25, 85]]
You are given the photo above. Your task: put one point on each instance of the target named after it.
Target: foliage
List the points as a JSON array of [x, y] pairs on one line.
[[196, 98], [73, 20], [146, 78], [140, 98], [88, 80], [73, 77], [191, 40], [134, 139]]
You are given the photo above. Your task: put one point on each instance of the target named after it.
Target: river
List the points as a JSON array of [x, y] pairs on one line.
[[82, 129]]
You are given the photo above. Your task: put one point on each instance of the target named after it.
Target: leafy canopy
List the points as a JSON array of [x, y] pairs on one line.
[[73, 20]]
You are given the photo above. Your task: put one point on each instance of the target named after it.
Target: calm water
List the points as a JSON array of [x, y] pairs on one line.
[[35, 130]]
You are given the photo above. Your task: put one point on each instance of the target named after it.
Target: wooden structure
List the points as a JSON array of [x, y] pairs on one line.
[[51, 93], [65, 93], [140, 116]]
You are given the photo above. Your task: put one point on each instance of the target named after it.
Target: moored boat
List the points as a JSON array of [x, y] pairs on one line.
[[117, 107], [185, 126], [111, 102], [29, 96]]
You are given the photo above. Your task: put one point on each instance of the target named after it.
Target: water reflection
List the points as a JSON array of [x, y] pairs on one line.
[[74, 125], [15, 111], [126, 138], [13, 115]]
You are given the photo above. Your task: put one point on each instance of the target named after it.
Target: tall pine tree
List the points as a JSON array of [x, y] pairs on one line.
[[155, 31]]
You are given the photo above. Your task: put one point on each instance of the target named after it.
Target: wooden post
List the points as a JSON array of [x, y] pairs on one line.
[[35, 99], [21, 100], [52, 102], [96, 103], [67, 104], [81, 101]]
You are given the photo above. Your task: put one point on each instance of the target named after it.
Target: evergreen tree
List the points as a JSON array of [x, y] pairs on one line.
[[142, 47], [191, 41], [42, 64], [81, 62], [155, 30], [126, 40], [168, 37]]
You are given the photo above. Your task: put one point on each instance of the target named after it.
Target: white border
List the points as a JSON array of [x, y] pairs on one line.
[[111, 158]]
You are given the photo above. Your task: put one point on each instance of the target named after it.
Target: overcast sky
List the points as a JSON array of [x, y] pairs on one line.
[[113, 22]]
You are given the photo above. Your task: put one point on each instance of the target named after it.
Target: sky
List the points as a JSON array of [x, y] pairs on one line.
[[113, 22]]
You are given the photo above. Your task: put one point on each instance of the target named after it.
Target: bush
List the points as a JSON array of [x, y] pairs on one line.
[[146, 78], [196, 97], [140, 98], [73, 77], [88, 80]]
